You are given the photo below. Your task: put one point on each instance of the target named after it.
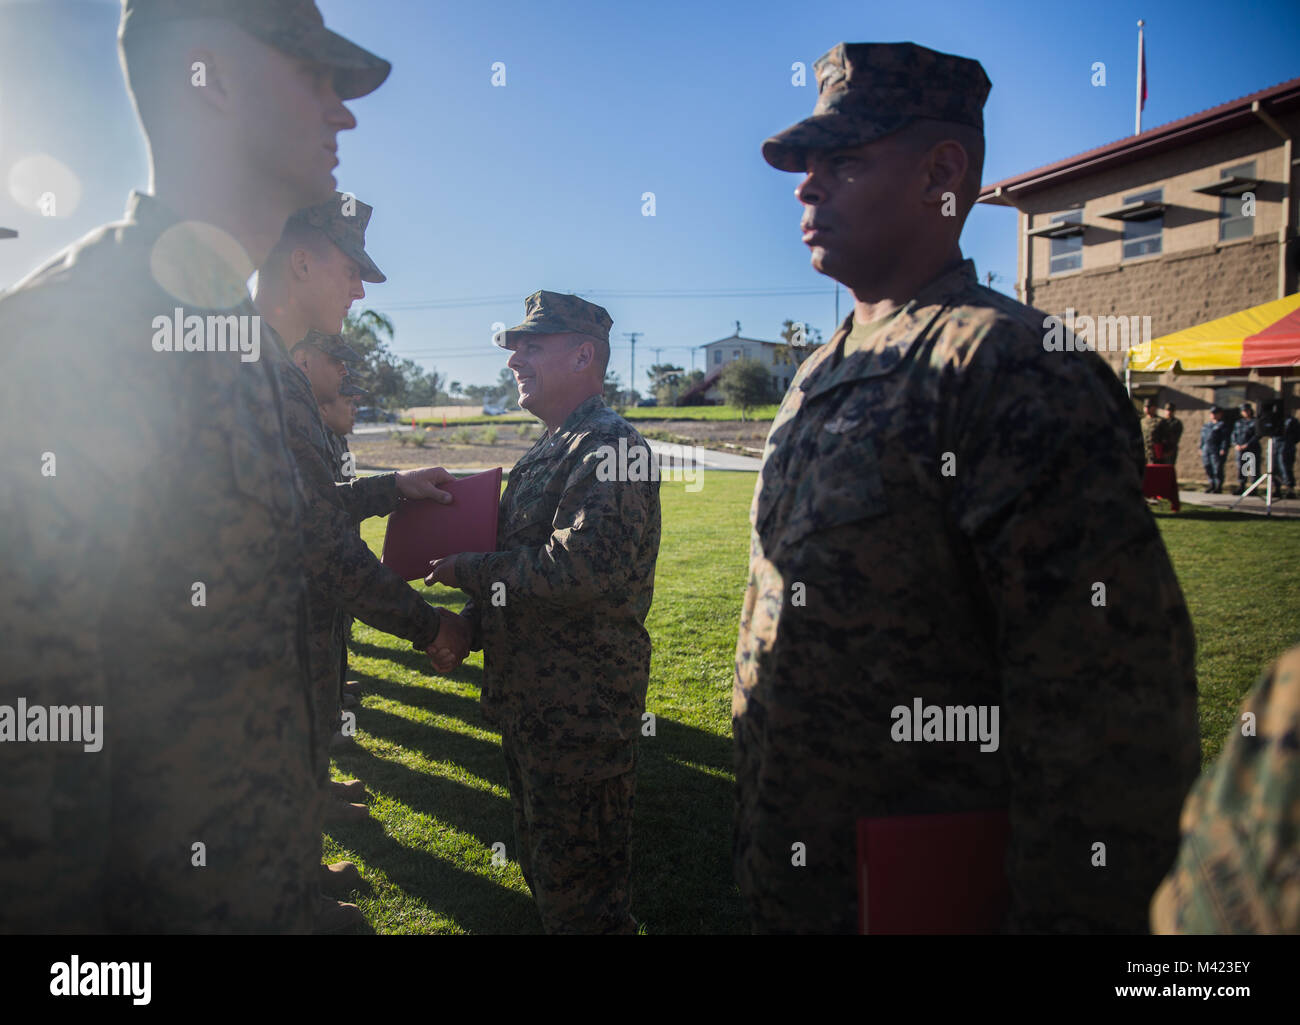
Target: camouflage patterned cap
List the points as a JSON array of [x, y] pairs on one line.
[[555, 313], [868, 90], [344, 220], [295, 27], [332, 345]]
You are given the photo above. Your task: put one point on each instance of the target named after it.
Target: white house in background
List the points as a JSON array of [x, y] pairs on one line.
[[777, 356]]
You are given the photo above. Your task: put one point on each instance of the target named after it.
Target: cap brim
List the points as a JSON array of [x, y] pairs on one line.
[[502, 339], [786, 151], [369, 272], [357, 71]]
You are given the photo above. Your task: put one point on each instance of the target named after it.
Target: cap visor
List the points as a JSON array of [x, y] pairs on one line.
[[357, 72], [786, 151]]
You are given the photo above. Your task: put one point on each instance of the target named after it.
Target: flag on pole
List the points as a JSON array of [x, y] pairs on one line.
[[1142, 69], [1140, 100]]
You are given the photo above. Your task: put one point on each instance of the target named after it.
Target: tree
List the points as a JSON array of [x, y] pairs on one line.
[[453, 389], [688, 382], [508, 389], [613, 393], [391, 380], [745, 383], [665, 382], [800, 340]]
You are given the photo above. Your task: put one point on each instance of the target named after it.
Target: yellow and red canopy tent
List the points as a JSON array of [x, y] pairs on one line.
[[1267, 335]]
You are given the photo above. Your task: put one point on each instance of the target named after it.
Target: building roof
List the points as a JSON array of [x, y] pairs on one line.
[[1214, 121]]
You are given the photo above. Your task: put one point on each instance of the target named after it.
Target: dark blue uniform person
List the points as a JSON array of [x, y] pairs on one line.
[[1284, 454], [1245, 440], [1214, 449]]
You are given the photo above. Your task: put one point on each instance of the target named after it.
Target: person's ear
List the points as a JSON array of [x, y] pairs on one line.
[[945, 170], [300, 264], [585, 353]]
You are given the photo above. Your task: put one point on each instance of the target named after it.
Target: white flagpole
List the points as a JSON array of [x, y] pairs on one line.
[[1137, 114]]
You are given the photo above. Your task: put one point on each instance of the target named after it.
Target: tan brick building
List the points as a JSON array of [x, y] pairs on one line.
[[1184, 223]]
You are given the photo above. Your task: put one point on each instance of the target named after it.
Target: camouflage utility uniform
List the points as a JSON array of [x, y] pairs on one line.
[[932, 521], [1238, 870], [567, 662], [343, 573], [177, 476]]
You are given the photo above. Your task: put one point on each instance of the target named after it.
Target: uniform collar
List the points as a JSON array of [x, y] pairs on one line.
[[586, 408], [198, 264], [894, 341]]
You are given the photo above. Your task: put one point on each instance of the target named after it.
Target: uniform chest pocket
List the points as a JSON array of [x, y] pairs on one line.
[[839, 482]]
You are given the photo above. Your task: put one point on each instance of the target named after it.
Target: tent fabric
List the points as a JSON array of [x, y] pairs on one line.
[[1262, 336]]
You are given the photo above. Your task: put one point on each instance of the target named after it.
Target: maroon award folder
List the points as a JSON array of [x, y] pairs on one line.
[[933, 874], [422, 530]]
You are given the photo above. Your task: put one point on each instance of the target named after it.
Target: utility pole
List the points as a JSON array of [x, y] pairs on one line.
[[631, 384]]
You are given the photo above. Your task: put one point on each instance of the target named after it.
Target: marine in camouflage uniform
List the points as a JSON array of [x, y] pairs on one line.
[[932, 521], [153, 555], [1238, 870], [566, 656], [1155, 431], [338, 439], [1173, 435], [344, 576]]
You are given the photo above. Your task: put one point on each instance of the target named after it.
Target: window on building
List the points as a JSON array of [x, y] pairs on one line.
[[1232, 223], [1142, 235], [1067, 253], [735, 354], [717, 356]]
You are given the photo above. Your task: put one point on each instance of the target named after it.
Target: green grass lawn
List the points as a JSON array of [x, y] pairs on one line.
[[434, 769]]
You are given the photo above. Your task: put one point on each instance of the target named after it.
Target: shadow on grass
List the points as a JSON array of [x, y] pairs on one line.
[[480, 757], [681, 843], [475, 902]]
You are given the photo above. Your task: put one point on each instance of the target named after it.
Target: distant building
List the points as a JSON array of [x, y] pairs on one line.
[[781, 358], [1184, 223]]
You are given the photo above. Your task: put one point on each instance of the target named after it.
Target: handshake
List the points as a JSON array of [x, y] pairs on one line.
[[451, 646]]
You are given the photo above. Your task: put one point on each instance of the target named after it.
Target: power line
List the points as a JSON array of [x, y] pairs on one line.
[[715, 293]]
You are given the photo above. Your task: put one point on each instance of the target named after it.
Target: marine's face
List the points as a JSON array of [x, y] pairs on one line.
[[324, 371], [859, 205], [292, 116], [332, 284], [339, 415], [543, 369]]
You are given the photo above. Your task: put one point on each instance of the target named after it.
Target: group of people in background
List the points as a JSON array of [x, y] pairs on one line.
[[1244, 438]]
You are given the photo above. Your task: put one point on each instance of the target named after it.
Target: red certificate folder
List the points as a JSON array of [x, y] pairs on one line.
[[423, 530], [933, 874]]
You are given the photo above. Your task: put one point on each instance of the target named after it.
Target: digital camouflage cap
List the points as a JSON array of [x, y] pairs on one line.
[[556, 313], [344, 220], [295, 27], [332, 345], [869, 90]]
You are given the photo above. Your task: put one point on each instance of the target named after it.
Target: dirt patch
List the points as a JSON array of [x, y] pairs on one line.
[[745, 438], [380, 452], [446, 447]]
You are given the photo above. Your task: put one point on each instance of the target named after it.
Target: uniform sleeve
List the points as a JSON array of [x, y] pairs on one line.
[[1241, 835], [364, 497], [474, 617], [1092, 634], [342, 566], [592, 551]]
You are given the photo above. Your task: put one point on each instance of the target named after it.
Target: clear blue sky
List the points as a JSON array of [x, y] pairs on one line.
[[485, 194]]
